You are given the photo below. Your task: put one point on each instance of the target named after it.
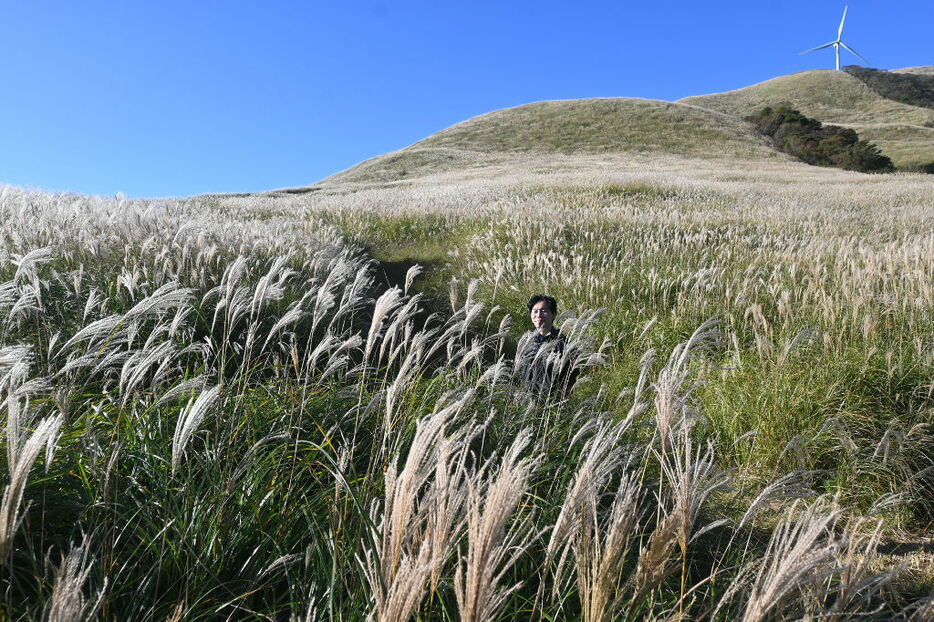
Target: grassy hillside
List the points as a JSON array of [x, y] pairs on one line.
[[696, 127], [904, 133], [907, 145], [927, 70], [830, 96], [598, 125], [412, 162], [587, 126]]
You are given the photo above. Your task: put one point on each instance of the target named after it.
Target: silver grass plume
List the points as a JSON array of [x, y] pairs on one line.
[[640, 403], [28, 301], [93, 332], [227, 292], [336, 364], [505, 325], [398, 325], [409, 338], [387, 302], [579, 353], [471, 292], [672, 391], [271, 286], [44, 434], [179, 320], [342, 352], [9, 293], [445, 520], [14, 366], [354, 295], [139, 363], [188, 421], [410, 275], [469, 356], [601, 547], [600, 457], [454, 328], [327, 343], [655, 558], [156, 335], [26, 265], [791, 485], [492, 547], [68, 602], [801, 546], [692, 477], [13, 425], [855, 585], [407, 538], [326, 294], [408, 371], [168, 296], [290, 317], [494, 374]]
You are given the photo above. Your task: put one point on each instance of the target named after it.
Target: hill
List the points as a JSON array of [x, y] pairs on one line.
[[923, 71], [706, 126], [571, 127], [903, 132]]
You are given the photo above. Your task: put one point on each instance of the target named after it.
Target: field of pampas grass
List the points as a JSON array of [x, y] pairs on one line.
[[307, 405]]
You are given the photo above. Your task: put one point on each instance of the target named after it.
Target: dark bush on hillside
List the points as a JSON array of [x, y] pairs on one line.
[[918, 167], [811, 141], [907, 88]]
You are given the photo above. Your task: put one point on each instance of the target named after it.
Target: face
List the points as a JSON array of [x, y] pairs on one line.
[[542, 317]]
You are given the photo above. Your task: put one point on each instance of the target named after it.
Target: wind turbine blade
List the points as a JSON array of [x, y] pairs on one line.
[[819, 47], [840, 31], [852, 51]]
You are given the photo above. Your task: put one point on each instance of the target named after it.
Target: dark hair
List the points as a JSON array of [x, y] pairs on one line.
[[550, 302]]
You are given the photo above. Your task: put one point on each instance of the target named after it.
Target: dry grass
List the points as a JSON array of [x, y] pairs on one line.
[[829, 96], [926, 70], [250, 426], [617, 125]]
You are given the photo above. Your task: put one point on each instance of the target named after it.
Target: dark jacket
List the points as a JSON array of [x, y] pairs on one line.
[[543, 364]]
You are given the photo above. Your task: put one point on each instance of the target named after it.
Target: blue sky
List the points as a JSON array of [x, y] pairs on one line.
[[178, 98]]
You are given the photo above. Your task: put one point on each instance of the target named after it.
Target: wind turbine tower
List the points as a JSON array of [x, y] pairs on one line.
[[838, 44]]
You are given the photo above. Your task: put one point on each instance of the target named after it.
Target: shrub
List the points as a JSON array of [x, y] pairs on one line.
[[815, 143], [907, 88]]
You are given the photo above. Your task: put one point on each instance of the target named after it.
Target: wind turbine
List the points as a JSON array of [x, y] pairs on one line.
[[838, 44]]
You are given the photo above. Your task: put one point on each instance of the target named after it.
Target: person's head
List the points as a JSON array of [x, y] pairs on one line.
[[542, 311]]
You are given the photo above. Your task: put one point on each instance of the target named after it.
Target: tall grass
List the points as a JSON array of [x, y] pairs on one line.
[[218, 408]]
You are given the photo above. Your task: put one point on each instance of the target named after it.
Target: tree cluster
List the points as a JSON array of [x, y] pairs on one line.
[[907, 88], [811, 141]]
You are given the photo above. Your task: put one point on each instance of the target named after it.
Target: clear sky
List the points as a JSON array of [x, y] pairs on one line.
[[174, 98]]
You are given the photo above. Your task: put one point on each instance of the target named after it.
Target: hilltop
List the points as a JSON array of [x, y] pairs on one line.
[[570, 127], [923, 71], [700, 127]]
